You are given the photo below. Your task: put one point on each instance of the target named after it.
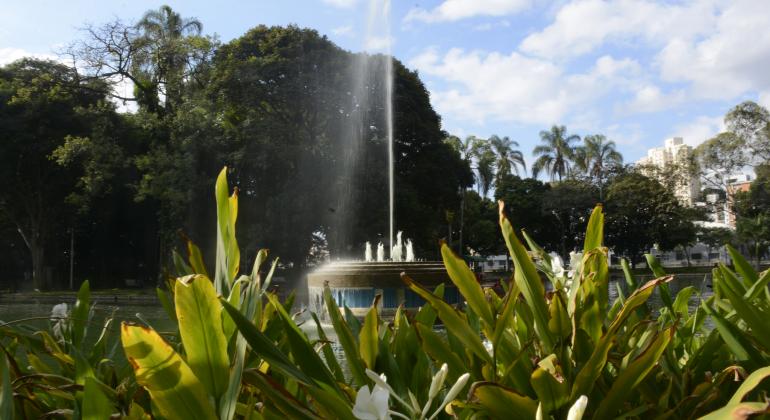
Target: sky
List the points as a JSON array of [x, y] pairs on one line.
[[638, 71]]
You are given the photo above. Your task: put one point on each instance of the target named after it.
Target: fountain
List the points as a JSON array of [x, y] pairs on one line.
[[355, 283]]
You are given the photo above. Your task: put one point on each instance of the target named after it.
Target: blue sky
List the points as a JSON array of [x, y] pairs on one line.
[[638, 71]]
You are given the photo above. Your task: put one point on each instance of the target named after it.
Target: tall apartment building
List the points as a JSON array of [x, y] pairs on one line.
[[675, 153]]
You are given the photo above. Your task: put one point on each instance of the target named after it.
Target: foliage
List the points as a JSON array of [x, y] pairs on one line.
[[568, 352], [643, 213], [555, 154]]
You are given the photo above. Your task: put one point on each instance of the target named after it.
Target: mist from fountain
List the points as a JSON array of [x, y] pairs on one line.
[[380, 252], [409, 251], [368, 252]]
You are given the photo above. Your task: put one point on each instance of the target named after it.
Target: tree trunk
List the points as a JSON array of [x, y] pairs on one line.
[[462, 220], [37, 254]]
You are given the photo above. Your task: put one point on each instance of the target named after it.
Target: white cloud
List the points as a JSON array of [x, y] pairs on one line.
[[453, 10], [649, 98], [516, 88], [488, 26], [9, 55], [700, 129], [731, 60], [581, 26], [345, 30], [343, 4]]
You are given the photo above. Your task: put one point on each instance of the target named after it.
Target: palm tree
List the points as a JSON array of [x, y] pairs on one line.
[[596, 154], [555, 153], [162, 47], [467, 149], [507, 158], [485, 168]]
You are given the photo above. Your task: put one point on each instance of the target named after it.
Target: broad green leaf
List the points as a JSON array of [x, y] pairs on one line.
[[501, 402], [264, 347], [96, 405], [633, 375], [454, 322], [590, 372], [549, 384], [282, 399], [758, 287], [304, 355], [749, 384], [630, 280], [756, 320], [462, 276], [228, 254], [80, 314], [528, 281], [738, 411], [200, 326], [658, 271], [594, 230], [440, 350], [368, 338], [6, 391], [742, 266], [328, 352], [174, 388], [165, 302], [732, 336], [330, 404], [346, 340], [196, 259]]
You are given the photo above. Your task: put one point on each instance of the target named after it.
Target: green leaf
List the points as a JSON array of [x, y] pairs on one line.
[[594, 230], [738, 411], [80, 314], [228, 254], [749, 384], [732, 336], [549, 384], [264, 347], [527, 280], [462, 276], [96, 405], [368, 338], [658, 271], [439, 350], [165, 302], [630, 280], [200, 326], [174, 388], [196, 259], [453, 321], [742, 266], [6, 391], [632, 375], [585, 379], [328, 352], [756, 320], [346, 340], [281, 398], [501, 402]]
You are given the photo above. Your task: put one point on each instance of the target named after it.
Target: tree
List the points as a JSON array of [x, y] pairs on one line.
[[642, 213], [485, 169], [569, 205], [507, 159], [555, 153], [595, 156], [751, 123], [524, 204], [753, 214], [41, 106], [158, 57]]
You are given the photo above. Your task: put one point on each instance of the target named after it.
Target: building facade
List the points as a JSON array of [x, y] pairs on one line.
[[675, 156]]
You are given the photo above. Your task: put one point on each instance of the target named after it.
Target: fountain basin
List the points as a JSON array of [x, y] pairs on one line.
[[355, 284]]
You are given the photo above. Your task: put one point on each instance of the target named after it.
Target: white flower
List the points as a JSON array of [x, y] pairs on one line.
[[456, 388], [60, 319], [575, 262], [577, 409], [438, 381], [372, 405], [557, 265]]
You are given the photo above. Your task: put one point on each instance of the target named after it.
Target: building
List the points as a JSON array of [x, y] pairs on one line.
[[675, 155], [740, 185]]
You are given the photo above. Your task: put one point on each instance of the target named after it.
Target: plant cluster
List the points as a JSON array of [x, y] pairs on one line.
[[553, 345]]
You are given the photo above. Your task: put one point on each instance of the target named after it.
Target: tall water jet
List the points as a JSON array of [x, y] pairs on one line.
[[368, 252], [380, 252]]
